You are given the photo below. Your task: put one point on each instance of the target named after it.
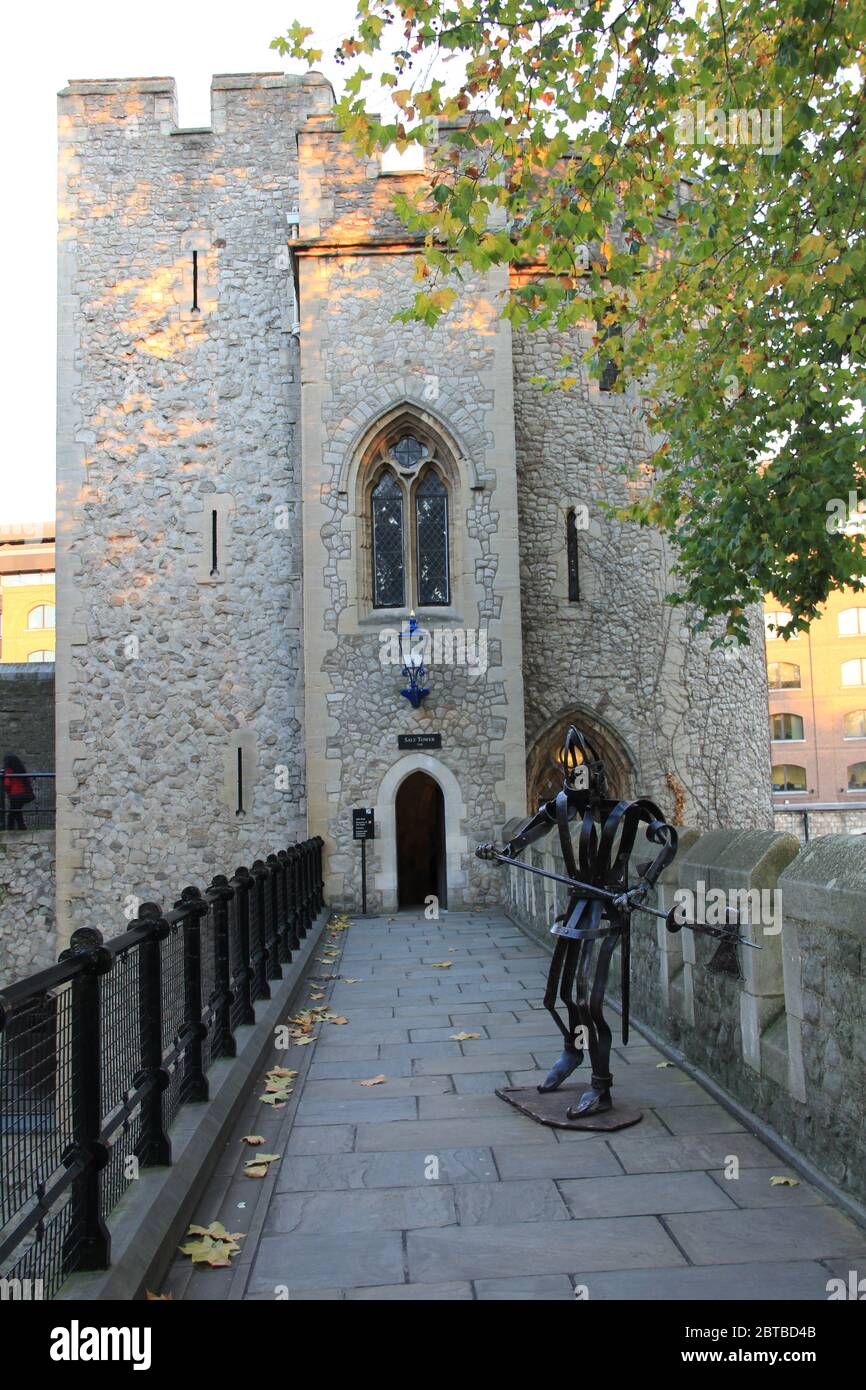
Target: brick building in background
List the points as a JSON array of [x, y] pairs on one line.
[[27, 593], [817, 696]]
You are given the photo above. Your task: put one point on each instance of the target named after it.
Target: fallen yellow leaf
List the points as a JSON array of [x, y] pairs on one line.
[[660, 1065], [255, 1170], [157, 1297], [252, 1139], [464, 1037], [784, 1182], [374, 1081], [442, 964]]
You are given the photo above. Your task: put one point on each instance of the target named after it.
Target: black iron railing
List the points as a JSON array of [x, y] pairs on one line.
[[35, 815], [99, 1052]]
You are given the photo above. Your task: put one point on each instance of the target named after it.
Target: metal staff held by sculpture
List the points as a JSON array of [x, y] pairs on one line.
[[598, 913]]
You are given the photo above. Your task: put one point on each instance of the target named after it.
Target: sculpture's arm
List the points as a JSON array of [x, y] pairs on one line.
[[533, 829], [660, 833]]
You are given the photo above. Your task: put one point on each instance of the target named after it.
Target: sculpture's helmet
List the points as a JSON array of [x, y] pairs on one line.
[[583, 769]]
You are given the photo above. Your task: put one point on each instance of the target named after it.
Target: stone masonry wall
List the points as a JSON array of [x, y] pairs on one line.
[[27, 920], [168, 414], [789, 1039], [358, 368], [27, 714], [622, 659]]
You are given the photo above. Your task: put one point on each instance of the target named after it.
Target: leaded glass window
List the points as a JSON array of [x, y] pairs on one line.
[[388, 563], [408, 452], [431, 526]]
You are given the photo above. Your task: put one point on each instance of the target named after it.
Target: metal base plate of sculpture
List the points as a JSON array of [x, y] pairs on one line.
[[596, 919]]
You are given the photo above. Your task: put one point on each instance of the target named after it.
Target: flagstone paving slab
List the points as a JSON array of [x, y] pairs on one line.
[[792, 1281], [540, 1247], [429, 1187]]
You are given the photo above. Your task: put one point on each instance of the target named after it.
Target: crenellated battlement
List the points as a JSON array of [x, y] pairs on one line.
[[153, 100]]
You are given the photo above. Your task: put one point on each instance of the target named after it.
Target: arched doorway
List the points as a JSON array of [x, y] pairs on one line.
[[420, 825]]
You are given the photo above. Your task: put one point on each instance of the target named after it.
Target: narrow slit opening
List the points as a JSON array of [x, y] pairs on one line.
[[240, 807], [571, 551]]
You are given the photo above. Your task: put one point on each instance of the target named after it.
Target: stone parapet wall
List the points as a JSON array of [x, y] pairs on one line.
[[840, 821], [27, 898], [789, 1039]]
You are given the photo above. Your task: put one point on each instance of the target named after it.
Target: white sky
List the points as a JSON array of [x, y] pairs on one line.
[[47, 45]]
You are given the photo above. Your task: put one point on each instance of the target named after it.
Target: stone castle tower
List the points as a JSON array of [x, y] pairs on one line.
[[261, 473]]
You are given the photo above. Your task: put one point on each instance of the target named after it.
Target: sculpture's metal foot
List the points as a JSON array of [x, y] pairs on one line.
[[592, 1102], [561, 1070]]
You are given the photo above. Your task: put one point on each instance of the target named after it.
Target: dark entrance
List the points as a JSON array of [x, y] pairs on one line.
[[420, 817]]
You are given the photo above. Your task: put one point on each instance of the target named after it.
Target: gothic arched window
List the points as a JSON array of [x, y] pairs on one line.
[[389, 587], [431, 539]]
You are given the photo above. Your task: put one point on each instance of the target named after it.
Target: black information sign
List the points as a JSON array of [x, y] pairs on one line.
[[419, 740], [363, 824]]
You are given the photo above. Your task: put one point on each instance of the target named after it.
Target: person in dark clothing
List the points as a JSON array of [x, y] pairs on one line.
[[18, 790]]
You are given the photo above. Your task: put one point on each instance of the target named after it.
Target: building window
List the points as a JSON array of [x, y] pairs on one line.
[[41, 656], [857, 777], [774, 621], [431, 539], [783, 675], [786, 727], [409, 510], [41, 616], [427, 498], [855, 724], [852, 622], [788, 777], [389, 587], [854, 672]]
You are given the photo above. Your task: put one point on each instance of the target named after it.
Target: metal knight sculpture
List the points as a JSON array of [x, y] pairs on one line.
[[598, 914]]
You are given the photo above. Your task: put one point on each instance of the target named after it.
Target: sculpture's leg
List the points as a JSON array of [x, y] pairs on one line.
[[598, 1097], [562, 974]]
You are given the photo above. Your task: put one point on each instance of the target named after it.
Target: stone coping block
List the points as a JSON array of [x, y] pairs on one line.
[[645, 849], [151, 1218], [826, 884], [736, 858]]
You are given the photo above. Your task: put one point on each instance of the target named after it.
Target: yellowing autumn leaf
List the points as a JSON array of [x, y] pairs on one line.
[[374, 1081], [338, 1019], [442, 964], [282, 1071], [784, 1182], [464, 1037], [256, 1170], [252, 1139], [151, 1297], [216, 1230], [215, 1247], [661, 1065], [347, 981], [302, 1042]]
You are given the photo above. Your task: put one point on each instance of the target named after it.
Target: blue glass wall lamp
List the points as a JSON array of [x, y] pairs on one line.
[[412, 643]]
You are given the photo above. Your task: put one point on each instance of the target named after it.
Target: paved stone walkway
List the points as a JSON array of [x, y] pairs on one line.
[[428, 1186]]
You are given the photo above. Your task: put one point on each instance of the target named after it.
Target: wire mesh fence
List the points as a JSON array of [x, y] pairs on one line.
[[99, 1052], [32, 810]]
